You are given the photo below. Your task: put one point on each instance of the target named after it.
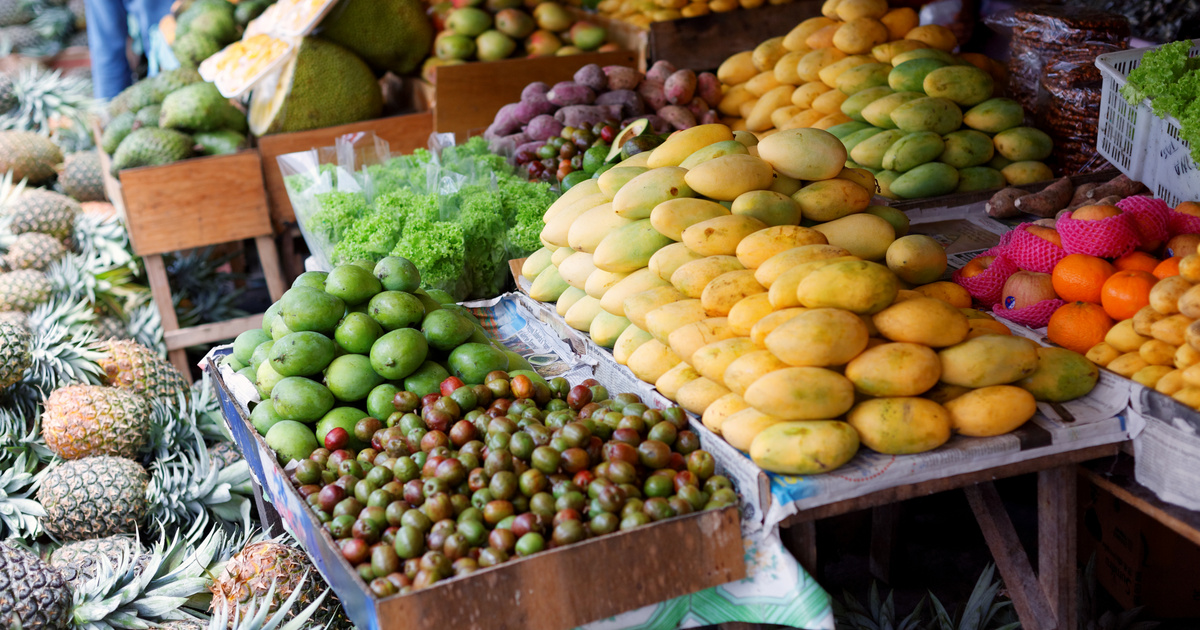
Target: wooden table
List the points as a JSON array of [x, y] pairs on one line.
[[1045, 599], [1115, 475]]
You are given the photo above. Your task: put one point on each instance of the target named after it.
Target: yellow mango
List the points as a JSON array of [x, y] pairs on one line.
[[637, 159], [1189, 396], [567, 300], [885, 52], [606, 328], [600, 281], [720, 236], [785, 68], [770, 207], [1185, 356], [860, 176], [613, 179], [713, 359], [746, 313], [641, 280], [810, 65], [687, 339], [762, 83], [740, 428], [829, 102], [765, 326], [831, 120], [988, 360], [1150, 375], [864, 235], [1157, 352], [662, 321], [629, 248], [556, 229], [806, 154], [651, 360], [760, 117], [1128, 364], [767, 53], [1171, 329], [900, 426], [760, 246], [697, 394], [672, 217], [795, 38], [536, 262], [665, 261], [1169, 383], [691, 278], [820, 337], [786, 186], [1189, 302], [804, 448], [1102, 353], [720, 410], [823, 38], [782, 292], [989, 411], [576, 269], [801, 393], [684, 143], [639, 304], [1164, 297], [548, 286], [860, 35], [1192, 335], [895, 369], [630, 340], [592, 226], [829, 74], [582, 312], [923, 320], [804, 95], [585, 188], [780, 116], [936, 35], [737, 69], [730, 105], [804, 119], [770, 269], [669, 383], [726, 177], [560, 255], [638, 197], [832, 199], [748, 368], [857, 286], [713, 151], [726, 290]]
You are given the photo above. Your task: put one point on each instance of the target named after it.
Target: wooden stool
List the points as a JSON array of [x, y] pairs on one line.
[[197, 203]]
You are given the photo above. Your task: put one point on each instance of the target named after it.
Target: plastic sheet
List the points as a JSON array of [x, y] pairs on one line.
[[1068, 106]]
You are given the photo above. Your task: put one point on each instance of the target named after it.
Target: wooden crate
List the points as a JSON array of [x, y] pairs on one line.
[[404, 134], [554, 590], [469, 95]]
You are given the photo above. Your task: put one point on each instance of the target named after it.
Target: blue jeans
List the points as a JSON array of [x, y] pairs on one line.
[[108, 30]]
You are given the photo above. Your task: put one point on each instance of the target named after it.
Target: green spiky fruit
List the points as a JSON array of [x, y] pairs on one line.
[[34, 250], [222, 142], [255, 568], [130, 365], [43, 211], [94, 497], [321, 86], [81, 176], [390, 35], [115, 132], [147, 116], [151, 91], [80, 561], [15, 344], [33, 594], [86, 420], [23, 290], [28, 155], [193, 48], [200, 107], [151, 147]]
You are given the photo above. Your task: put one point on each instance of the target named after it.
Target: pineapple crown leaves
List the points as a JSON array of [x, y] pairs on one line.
[[200, 290], [103, 240], [49, 100], [112, 287], [980, 611], [257, 614], [877, 614], [10, 191], [145, 327], [61, 349], [208, 411], [19, 435], [127, 596], [19, 515], [186, 486]]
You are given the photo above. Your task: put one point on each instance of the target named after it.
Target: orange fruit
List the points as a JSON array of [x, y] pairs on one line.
[[1078, 326], [1167, 268], [1136, 260], [1126, 292], [1078, 277]]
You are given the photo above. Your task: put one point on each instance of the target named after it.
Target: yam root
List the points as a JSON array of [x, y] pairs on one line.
[[1002, 204], [1121, 186], [661, 70], [1050, 200], [708, 87], [1110, 200], [1080, 197]]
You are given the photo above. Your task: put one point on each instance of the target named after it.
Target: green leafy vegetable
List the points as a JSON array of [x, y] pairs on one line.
[[1171, 80]]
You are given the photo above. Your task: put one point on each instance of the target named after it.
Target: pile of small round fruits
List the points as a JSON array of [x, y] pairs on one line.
[[470, 476]]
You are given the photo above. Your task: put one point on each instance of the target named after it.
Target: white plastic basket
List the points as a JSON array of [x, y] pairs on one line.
[[1143, 146]]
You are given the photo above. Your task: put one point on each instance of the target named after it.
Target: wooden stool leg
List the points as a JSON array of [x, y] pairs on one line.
[[268, 256], [801, 540], [160, 289], [1057, 539], [884, 520], [1030, 602]]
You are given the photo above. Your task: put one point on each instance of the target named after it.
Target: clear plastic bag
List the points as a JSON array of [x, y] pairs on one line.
[[1068, 107]]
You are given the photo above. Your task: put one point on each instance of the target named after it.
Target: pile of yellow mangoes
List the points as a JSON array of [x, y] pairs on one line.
[[743, 278], [923, 120], [644, 12]]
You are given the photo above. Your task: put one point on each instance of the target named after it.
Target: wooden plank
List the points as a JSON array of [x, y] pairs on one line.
[[404, 134], [212, 332], [954, 482], [1031, 603], [1116, 477], [1058, 537], [884, 521], [268, 257], [801, 540], [469, 95], [702, 43], [160, 290], [195, 203]]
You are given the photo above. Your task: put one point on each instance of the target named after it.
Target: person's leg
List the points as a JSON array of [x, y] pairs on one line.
[[148, 13], [107, 31]]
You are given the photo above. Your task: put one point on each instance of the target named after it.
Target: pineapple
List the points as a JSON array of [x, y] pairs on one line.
[[33, 594], [29, 155], [94, 497], [43, 211], [266, 566], [23, 290], [15, 12], [8, 99], [102, 209], [224, 454], [81, 178], [252, 615], [111, 327], [80, 561], [130, 365], [85, 420], [16, 342], [34, 250], [16, 318]]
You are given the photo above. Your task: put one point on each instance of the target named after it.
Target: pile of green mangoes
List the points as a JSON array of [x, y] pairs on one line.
[[344, 342]]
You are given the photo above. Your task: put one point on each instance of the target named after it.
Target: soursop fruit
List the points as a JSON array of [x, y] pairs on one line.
[[221, 142], [115, 132], [152, 147], [193, 48], [200, 107], [147, 117]]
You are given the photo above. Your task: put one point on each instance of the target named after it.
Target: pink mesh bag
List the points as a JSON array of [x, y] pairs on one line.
[[1106, 238], [1151, 217], [1180, 223], [1033, 316], [985, 288], [1033, 253]]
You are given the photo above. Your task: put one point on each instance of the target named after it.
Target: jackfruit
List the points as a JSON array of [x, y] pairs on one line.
[[321, 86], [393, 35], [200, 107]]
